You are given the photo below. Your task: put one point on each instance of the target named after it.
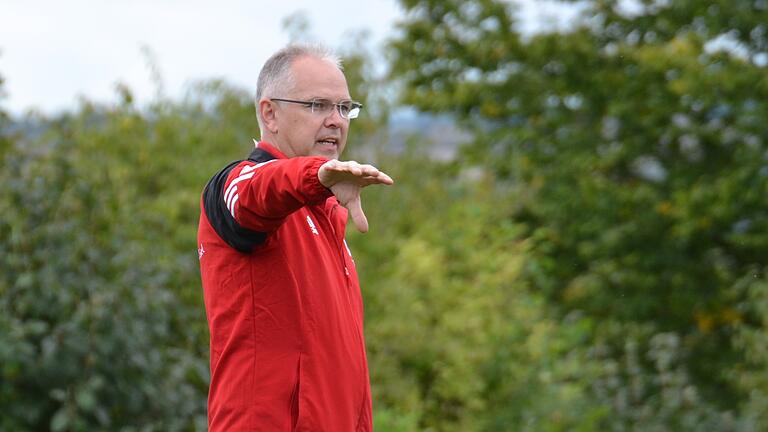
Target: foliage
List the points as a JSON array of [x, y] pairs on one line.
[[101, 324], [637, 148], [448, 317]]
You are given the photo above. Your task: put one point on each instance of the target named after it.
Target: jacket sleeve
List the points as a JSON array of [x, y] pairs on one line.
[[259, 196]]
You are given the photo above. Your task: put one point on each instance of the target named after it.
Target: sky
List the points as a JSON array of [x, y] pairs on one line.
[[54, 52]]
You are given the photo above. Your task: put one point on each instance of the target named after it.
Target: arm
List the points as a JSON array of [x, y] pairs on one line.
[[247, 200], [259, 196]]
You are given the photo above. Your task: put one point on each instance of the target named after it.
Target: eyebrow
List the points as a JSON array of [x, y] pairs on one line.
[[346, 99]]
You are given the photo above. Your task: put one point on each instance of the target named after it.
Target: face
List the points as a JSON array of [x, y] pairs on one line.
[[295, 129]]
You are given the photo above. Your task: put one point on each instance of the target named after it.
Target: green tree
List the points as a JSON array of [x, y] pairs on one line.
[[457, 338], [102, 324], [637, 150]]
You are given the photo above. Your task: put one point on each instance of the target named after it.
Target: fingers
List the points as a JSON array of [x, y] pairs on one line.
[[368, 173], [358, 216], [335, 171], [355, 168], [383, 178], [351, 167]]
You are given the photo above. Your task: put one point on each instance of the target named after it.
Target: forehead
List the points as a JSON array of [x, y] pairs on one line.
[[315, 77]]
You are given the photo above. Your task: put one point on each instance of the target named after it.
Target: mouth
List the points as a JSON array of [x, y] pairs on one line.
[[328, 141]]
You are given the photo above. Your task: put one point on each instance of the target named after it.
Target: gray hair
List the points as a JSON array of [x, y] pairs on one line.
[[276, 79]]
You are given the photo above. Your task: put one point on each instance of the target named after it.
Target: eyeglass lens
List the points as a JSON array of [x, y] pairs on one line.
[[346, 109]]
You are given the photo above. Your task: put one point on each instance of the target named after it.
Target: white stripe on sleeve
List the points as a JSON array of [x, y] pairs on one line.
[[231, 196], [228, 195], [236, 181], [234, 201]]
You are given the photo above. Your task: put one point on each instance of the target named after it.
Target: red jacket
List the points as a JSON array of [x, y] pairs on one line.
[[282, 299]]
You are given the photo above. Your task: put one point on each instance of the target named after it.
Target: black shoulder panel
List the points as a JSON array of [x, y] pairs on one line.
[[240, 238]]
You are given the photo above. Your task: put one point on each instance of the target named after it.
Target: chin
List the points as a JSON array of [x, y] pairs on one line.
[[328, 153]]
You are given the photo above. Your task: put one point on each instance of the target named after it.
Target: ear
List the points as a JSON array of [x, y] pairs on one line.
[[268, 115]]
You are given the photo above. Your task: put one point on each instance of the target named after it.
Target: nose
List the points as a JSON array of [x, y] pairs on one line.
[[334, 120]]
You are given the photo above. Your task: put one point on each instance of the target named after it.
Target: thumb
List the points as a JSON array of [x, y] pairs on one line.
[[358, 217]]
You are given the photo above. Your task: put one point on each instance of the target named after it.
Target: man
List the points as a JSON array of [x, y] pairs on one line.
[[281, 290]]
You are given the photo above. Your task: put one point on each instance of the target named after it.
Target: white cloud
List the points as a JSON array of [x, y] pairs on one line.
[[53, 51]]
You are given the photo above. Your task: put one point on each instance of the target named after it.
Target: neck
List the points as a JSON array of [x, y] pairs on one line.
[[276, 143]]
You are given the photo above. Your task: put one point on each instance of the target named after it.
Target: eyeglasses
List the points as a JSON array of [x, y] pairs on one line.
[[347, 109]]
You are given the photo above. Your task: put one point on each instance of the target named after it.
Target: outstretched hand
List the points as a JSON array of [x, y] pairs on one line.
[[345, 179]]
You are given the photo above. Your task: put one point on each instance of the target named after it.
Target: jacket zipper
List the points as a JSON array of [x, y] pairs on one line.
[[358, 325], [341, 248]]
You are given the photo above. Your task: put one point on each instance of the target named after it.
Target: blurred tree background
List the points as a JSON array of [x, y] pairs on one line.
[[592, 257]]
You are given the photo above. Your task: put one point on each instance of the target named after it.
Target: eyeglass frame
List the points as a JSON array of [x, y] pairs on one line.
[[311, 104]]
